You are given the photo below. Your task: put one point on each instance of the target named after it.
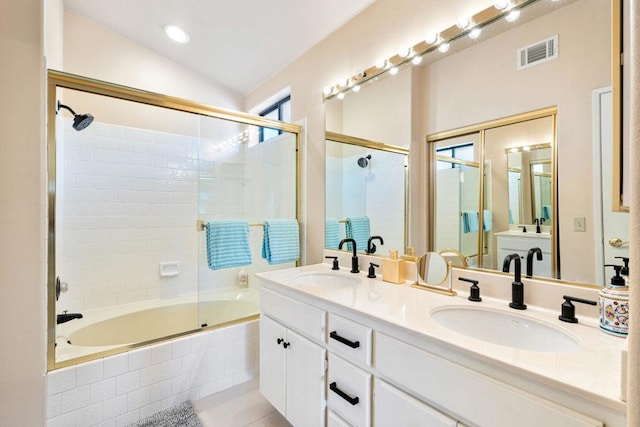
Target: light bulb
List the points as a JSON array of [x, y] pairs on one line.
[[404, 52], [356, 88], [416, 60], [327, 90], [501, 4], [513, 15], [176, 34], [393, 71], [341, 95], [475, 33], [381, 63], [463, 23], [444, 47], [431, 38]]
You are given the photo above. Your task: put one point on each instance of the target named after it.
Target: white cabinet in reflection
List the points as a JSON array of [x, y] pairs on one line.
[[517, 242]]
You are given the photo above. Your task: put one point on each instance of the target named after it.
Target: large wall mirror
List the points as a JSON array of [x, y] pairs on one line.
[[478, 82]]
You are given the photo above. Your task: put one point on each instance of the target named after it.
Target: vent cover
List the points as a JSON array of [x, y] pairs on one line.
[[538, 52]]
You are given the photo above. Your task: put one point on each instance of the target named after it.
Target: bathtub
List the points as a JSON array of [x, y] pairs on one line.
[[112, 328]]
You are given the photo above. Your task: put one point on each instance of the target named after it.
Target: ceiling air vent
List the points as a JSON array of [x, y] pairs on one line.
[[538, 52]]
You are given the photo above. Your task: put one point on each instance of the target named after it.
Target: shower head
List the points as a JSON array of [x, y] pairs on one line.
[[364, 161], [80, 121]]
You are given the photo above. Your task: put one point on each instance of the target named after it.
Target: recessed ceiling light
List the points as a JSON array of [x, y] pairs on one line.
[[176, 34]]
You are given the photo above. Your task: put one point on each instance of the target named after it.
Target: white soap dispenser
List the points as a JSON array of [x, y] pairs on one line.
[[614, 305]]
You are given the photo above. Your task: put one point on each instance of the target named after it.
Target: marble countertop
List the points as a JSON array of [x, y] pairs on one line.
[[592, 371]]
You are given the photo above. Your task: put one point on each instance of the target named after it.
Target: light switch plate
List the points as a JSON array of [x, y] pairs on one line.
[[579, 223]]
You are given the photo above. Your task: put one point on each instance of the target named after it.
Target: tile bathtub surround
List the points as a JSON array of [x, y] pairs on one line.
[[121, 389]]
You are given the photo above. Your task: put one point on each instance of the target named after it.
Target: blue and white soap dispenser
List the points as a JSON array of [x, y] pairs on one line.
[[614, 305]]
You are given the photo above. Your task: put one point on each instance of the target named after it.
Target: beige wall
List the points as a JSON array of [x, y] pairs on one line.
[[22, 219]]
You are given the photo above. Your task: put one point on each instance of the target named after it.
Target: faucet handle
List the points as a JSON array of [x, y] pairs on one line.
[[569, 310], [372, 270], [474, 290], [335, 262]]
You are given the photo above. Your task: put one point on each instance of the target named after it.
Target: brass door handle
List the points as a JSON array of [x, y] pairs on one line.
[[617, 243]]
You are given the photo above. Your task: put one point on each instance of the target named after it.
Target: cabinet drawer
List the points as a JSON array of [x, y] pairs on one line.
[[474, 398], [349, 392], [394, 407], [349, 339], [333, 420], [308, 320]]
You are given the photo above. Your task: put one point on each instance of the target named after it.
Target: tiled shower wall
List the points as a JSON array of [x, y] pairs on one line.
[[128, 199]]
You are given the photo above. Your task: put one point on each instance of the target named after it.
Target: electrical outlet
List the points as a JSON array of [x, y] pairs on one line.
[[579, 223]]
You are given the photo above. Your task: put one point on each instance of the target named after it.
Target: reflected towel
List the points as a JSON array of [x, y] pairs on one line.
[[358, 229], [469, 221], [546, 212], [332, 233], [487, 220], [228, 244], [281, 241]]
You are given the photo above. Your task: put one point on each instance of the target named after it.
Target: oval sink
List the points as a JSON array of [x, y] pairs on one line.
[[506, 329], [326, 280]]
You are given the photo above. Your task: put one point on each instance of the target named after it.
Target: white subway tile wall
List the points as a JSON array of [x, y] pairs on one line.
[[122, 389]]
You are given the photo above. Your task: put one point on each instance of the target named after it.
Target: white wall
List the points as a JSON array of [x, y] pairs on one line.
[[22, 214]]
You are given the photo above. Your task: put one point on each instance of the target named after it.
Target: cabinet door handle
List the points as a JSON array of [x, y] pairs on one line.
[[286, 344], [353, 400], [352, 344], [280, 341]]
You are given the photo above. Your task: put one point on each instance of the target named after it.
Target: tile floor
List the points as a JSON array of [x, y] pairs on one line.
[[239, 406]]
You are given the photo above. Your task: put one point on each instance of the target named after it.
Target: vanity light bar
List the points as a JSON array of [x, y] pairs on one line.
[[454, 32], [527, 148]]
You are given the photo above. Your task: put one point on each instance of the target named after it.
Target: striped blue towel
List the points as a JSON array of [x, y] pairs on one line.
[[332, 234], [469, 221], [281, 241], [228, 244], [487, 220], [358, 229]]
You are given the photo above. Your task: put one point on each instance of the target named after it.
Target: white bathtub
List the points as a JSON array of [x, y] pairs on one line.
[[111, 328]]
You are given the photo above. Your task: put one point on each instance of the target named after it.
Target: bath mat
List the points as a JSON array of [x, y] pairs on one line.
[[182, 415]]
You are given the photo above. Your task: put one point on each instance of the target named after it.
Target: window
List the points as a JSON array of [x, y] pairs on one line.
[[281, 110]]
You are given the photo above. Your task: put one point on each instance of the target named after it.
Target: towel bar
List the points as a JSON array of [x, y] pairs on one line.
[[200, 225]]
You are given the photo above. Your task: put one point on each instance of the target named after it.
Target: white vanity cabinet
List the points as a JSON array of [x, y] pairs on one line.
[[511, 242], [292, 367]]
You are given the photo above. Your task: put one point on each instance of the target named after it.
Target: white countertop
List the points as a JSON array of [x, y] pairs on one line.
[[519, 233], [593, 371]]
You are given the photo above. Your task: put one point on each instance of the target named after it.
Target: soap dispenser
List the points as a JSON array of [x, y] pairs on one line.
[[393, 269], [624, 271], [614, 305]]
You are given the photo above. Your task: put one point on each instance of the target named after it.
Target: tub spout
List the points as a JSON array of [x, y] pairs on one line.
[[65, 317]]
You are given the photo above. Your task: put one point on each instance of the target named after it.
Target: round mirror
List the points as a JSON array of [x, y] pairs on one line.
[[454, 257], [432, 268]]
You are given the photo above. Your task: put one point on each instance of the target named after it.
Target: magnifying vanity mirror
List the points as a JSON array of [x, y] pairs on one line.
[[508, 142], [432, 268]]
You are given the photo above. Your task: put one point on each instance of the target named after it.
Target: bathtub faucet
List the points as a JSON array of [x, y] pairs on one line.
[[65, 317]]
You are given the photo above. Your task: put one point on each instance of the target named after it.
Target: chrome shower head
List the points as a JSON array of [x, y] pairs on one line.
[[364, 161], [80, 121]]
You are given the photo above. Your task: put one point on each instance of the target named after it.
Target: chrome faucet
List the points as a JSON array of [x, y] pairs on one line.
[[532, 251], [517, 287], [354, 258], [371, 247]]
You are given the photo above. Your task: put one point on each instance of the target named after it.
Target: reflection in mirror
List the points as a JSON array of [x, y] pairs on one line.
[[456, 194], [518, 186], [432, 269], [455, 258], [365, 194]]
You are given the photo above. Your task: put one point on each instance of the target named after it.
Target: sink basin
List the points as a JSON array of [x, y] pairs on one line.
[[325, 280], [506, 329]]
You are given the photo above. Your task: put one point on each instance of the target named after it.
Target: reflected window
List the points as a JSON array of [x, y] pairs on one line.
[[460, 152], [280, 110]]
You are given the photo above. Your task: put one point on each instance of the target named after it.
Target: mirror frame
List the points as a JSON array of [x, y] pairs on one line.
[[481, 128], [361, 142]]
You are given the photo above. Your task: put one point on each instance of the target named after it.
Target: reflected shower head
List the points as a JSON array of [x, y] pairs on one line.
[[80, 121], [364, 161]]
